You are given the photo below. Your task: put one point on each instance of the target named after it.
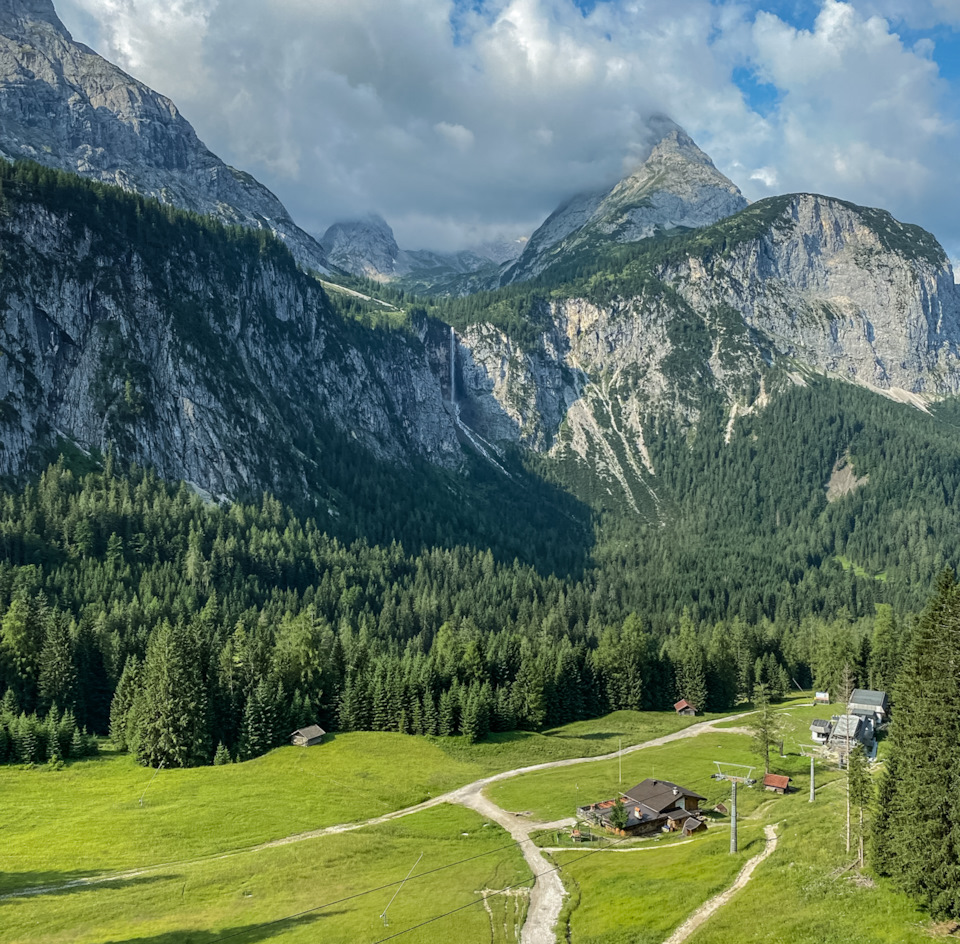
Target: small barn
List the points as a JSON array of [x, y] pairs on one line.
[[776, 783], [683, 707], [693, 825], [308, 736]]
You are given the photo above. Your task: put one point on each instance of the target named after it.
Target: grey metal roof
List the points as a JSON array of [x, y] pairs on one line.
[[866, 696], [310, 732], [847, 727], [819, 725]]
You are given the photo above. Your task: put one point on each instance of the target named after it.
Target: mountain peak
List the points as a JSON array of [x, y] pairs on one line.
[[365, 247], [675, 185], [19, 16], [66, 107]]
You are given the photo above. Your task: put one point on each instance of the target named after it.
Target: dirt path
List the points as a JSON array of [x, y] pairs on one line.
[[546, 898], [718, 901]]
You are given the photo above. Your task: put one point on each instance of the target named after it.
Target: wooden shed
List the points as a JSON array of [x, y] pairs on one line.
[[683, 707], [693, 825], [308, 736], [776, 783]]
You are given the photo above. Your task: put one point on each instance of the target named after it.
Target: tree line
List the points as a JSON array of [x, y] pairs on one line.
[[178, 626]]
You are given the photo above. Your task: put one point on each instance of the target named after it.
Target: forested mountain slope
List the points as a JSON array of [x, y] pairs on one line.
[[586, 363]]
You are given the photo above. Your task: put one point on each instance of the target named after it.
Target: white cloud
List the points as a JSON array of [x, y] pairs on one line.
[[453, 121], [461, 138]]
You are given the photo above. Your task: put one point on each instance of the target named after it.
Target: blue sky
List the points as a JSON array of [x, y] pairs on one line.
[[459, 119]]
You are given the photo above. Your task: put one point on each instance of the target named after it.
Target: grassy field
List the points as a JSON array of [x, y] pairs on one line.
[[239, 897], [58, 826], [801, 895], [640, 897], [555, 794], [87, 818]]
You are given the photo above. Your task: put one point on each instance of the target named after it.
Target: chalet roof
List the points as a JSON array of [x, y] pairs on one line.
[[776, 781], [310, 732], [683, 703], [818, 724], [866, 696], [693, 824], [659, 795]]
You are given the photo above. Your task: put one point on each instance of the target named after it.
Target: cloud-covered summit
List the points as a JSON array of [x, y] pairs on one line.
[[457, 121]]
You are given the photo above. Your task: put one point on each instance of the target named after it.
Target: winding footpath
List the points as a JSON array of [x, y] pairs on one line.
[[718, 901], [546, 896]]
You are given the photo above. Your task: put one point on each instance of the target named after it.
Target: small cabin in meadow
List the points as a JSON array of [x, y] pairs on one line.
[[693, 825], [308, 736], [821, 730], [650, 806], [683, 707], [776, 783]]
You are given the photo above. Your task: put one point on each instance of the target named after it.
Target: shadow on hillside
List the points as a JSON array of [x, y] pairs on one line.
[[596, 736], [17, 886], [242, 935]]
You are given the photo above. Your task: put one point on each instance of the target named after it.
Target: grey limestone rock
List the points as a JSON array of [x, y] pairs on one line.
[[66, 107]]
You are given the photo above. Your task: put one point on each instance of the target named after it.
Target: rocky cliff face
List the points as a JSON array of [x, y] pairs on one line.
[[818, 286], [211, 360], [675, 186], [66, 107]]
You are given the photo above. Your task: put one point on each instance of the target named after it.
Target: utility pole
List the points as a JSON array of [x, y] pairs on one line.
[[733, 818], [812, 794], [848, 806]]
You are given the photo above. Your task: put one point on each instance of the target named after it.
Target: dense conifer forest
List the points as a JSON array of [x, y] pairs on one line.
[[133, 608]]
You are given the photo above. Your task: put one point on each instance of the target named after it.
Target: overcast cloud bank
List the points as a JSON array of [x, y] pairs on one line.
[[458, 121]]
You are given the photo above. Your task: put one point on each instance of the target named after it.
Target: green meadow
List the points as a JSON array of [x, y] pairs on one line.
[[188, 870], [240, 897], [88, 817], [641, 896]]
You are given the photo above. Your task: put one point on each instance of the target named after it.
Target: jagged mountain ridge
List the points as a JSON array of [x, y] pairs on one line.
[[733, 313], [790, 287], [64, 106]]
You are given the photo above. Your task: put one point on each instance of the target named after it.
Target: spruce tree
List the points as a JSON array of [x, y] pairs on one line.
[[915, 830], [171, 707], [58, 673], [123, 700], [765, 724]]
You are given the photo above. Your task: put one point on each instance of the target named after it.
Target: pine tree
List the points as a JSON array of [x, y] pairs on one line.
[[171, 707], [470, 718], [765, 724], [860, 791], [915, 829], [222, 756], [128, 687], [58, 673], [884, 654], [259, 732], [691, 666]]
